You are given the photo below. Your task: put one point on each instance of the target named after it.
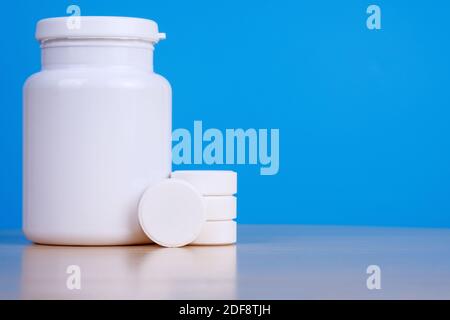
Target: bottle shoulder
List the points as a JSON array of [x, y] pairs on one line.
[[89, 78]]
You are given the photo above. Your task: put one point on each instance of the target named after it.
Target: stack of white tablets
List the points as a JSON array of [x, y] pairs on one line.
[[192, 207], [217, 189]]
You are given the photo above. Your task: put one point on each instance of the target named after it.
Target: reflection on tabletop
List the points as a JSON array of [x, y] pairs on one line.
[[269, 262], [132, 272]]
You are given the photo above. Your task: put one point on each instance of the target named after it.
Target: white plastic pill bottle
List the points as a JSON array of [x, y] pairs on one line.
[[97, 131]]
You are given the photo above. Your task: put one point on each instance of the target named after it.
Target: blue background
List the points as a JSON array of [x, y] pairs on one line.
[[363, 115]]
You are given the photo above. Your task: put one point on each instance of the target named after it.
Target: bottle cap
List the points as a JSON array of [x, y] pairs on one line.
[[98, 27]]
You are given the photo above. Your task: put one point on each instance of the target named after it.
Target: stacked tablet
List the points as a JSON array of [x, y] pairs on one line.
[[192, 207]]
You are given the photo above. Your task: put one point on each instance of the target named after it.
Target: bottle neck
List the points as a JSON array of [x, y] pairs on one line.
[[97, 53]]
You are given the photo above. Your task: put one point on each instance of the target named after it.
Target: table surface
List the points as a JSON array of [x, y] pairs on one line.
[[269, 262]]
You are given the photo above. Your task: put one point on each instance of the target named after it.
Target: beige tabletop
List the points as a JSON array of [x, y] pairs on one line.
[[269, 262]]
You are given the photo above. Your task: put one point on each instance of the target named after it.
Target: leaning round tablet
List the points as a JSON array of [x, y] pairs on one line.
[[172, 213], [217, 233], [210, 182]]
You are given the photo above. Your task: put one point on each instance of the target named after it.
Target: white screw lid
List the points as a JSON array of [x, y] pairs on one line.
[[172, 213], [98, 27]]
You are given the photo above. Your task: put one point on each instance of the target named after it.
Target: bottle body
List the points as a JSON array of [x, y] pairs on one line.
[[96, 135]]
